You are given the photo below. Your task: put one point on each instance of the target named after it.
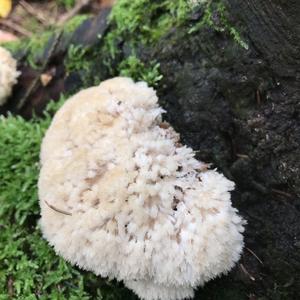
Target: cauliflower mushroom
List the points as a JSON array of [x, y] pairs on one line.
[[120, 196], [8, 74]]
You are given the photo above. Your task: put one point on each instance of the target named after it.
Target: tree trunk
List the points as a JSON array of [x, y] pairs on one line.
[[240, 110]]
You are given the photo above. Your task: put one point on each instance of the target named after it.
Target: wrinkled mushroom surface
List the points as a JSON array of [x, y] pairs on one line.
[[8, 74], [120, 196]]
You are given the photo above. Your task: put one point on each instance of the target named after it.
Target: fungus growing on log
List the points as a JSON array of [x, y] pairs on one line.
[[120, 196], [8, 74]]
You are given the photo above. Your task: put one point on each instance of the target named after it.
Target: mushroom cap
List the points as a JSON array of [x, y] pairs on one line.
[[120, 196], [8, 74]]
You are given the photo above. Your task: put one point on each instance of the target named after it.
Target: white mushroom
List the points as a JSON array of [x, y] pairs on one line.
[[8, 74], [120, 196]]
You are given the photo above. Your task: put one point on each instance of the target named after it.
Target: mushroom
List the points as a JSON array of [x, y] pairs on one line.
[[120, 196], [8, 74]]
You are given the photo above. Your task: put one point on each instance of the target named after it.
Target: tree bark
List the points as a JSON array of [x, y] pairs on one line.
[[240, 109], [274, 29]]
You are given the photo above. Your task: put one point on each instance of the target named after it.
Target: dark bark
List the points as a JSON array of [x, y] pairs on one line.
[[274, 28], [241, 110]]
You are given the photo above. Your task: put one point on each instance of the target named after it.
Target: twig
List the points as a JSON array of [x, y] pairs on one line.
[[74, 11], [242, 155], [258, 97], [16, 27], [252, 252], [282, 193], [58, 210], [246, 272], [36, 13]]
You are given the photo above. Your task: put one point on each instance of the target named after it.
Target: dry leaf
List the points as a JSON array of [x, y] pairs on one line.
[[5, 8], [47, 76], [45, 79]]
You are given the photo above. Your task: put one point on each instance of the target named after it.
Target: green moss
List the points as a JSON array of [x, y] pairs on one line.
[[66, 3], [143, 21], [140, 22], [136, 69], [85, 62], [136, 23], [76, 59], [12, 46], [20, 143], [31, 46], [216, 16], [24, 256], [73, 23], [35, 45]]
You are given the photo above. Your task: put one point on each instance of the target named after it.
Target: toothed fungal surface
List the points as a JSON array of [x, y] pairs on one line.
[[120, 196], [8, 74]]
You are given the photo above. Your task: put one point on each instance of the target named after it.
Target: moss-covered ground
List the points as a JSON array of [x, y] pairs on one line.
[[29, 268]]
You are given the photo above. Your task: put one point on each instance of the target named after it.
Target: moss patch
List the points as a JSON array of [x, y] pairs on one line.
[[143, 21], [136, 69], [216, 16], [76, 59], [140, 22]]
